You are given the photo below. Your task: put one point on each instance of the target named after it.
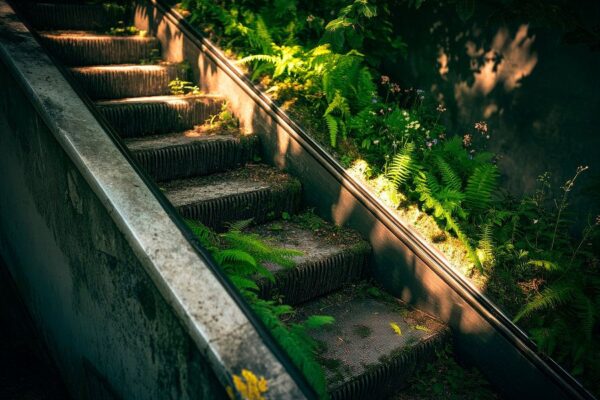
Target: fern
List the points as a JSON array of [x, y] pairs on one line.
[[486, 243], [550, 298], [335, 124], [427, 185], [401, 167], [481, 186], [332, 128], [449, 177]]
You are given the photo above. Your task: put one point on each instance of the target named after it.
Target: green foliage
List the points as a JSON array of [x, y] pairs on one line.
[[532, 241], [224, 119], [182, 87], [241, 256], [322, 58]]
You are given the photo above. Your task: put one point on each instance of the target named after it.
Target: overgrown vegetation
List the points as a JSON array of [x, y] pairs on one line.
[[242, 256], [321, 61]]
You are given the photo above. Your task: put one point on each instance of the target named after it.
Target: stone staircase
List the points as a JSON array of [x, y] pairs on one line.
[[213, 177]]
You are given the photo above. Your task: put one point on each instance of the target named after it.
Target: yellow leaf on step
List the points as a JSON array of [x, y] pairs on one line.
[[396, 328]]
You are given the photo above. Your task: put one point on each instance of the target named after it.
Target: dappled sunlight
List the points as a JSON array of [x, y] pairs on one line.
[[443, 63], [505, 64], [170, 37]]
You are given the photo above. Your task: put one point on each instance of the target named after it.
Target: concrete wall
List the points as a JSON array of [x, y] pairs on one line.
[[538, 90], [127, 306], [109, 329]]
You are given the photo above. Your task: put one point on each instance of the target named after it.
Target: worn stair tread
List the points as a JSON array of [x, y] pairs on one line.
[[331, 257], [83, 48], [52, 15], [161, 99], [150, 115], [255, 191], [191, 153], [117, 81], [362, 354]]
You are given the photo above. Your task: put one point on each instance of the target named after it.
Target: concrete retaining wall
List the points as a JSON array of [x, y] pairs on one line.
[[128, 308]]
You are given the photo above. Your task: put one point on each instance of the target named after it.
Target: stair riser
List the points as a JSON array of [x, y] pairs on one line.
[[98, 51], [391, 376], [142, 119], [196, 159], [73, 16], [316, 278], [261, 206], [102, 84]]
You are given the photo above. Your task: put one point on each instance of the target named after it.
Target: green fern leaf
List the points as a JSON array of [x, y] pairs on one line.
[[549, 298], [401, 166], [332, 127], [481, 186], [449, 177]]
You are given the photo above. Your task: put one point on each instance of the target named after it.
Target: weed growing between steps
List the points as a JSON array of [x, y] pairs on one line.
[[180, 86], [321, 60], [241, 256]]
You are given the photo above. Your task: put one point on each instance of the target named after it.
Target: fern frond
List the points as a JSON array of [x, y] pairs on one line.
[[241, 225], [207, 237], [545, 264], [243, 284], [449, 177], [259, 57], [260, 249], [338, 103], [486, 241], [264, 39], [400, 168], [332, 127], [426, 187], [549, 298], [481, 186]]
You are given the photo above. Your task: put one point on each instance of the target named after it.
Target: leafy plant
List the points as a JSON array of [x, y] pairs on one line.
[[126, 31], [564, 312], [224, 119], [241, 256], [181, 87]]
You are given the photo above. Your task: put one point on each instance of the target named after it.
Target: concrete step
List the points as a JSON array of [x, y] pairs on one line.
[[364, 357], [135, 117], [255, 191], [192, 153], [97, 17], [125, 80], [79, 48], [331, 257]]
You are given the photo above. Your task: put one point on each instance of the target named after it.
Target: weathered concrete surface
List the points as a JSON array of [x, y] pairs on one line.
[[329, 258], [256, 192], [184, 154], [141, 116], [128, 308], [125, 80], [364, 356], [90, 48]]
